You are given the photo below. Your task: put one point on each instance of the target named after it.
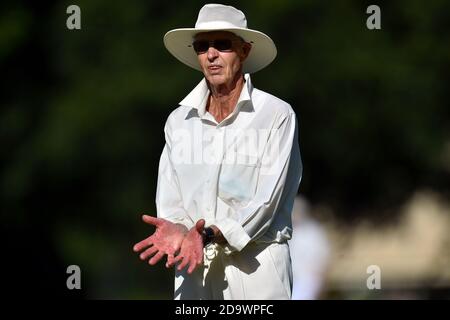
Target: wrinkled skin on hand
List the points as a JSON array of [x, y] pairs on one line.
[[191, 253], [167, 239]]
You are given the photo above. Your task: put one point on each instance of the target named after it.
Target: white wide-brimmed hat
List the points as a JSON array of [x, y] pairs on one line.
[[218, 17]]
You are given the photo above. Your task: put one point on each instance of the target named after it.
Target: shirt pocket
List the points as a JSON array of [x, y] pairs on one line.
[[238, 180]]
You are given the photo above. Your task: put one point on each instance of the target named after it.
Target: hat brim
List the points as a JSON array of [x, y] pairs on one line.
[[179, 43]]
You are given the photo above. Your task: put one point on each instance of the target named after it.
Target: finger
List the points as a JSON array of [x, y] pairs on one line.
[[142, 244], [170, 260], [200, 259], [193, 265], [156, 258], [151, 220], [183, 263], [200, 225], [147, 253], [178, 258]]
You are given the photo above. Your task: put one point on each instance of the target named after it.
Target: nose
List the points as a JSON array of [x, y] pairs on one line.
[[212, 53]]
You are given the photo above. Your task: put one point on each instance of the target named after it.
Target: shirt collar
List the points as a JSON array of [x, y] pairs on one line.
[[198, 97]]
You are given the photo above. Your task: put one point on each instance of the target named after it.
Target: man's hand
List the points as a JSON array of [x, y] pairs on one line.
[[192, 248], [166, 239]]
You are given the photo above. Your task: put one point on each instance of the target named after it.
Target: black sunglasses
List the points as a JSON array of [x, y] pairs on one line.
[[201, 46]]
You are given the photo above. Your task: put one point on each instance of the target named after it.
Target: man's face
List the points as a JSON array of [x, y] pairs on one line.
[[222, 61]]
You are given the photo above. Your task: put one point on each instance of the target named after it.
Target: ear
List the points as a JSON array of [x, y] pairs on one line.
[[246, 47]]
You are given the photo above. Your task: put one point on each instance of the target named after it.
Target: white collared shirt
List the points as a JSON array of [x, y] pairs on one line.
[[241, 174]]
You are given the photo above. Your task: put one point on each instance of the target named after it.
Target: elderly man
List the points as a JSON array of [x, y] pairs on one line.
[[229, 171]]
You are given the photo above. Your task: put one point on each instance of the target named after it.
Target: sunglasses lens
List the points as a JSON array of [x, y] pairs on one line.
[[201, 46], [223, 45]]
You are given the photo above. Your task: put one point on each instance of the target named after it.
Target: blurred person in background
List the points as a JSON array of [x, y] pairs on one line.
[[310, 251], [246, 203]]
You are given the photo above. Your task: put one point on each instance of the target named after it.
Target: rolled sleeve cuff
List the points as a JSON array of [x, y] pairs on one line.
[[234, 233]]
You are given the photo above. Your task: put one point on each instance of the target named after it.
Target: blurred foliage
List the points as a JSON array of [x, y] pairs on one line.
[[82, 116]]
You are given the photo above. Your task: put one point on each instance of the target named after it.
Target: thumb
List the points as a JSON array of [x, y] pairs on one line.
[[200, 225], [152, 220]]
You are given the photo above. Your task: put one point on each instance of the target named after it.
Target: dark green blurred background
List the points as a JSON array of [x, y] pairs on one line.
[[82, 116]]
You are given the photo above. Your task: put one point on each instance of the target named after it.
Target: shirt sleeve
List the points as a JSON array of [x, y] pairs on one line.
[[277, 170], [169, 201]]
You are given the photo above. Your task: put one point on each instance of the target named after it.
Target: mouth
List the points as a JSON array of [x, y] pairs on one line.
[[214, 68]]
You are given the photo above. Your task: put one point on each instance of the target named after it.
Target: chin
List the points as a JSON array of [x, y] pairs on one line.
[[216, 79]]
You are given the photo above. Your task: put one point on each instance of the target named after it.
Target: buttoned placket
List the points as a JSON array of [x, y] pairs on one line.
[[210, 194], [211, 183]]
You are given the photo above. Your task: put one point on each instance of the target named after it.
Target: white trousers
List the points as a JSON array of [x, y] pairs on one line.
[[260, 271]]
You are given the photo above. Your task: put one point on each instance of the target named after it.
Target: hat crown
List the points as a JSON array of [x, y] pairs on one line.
[[215, 15]]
